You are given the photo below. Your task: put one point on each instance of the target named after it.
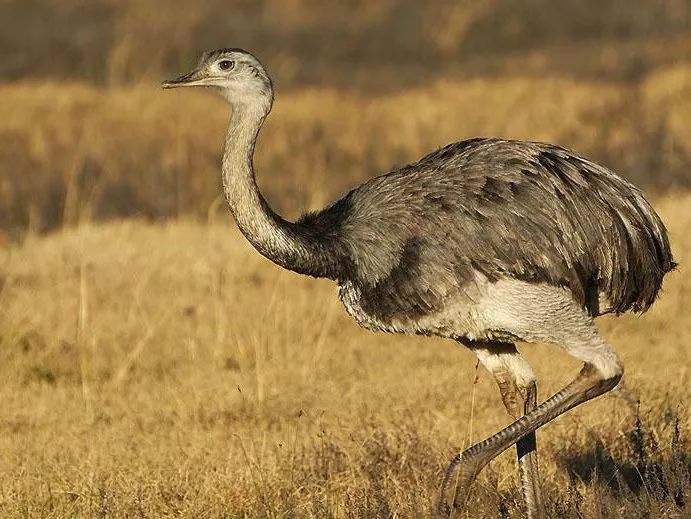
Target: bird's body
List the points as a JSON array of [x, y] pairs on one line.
[[422, 248], [485, 241]]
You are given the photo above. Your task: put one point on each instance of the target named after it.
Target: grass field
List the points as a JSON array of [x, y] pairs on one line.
[[73, 151], [167, 370], [153, 365]]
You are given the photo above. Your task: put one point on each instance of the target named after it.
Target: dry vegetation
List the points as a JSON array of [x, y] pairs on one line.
[[169, 371], [85, 134], [75, 152], [388, 44], [158, 367]]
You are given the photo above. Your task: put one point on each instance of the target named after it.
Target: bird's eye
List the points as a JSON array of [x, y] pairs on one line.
[[226, 64]]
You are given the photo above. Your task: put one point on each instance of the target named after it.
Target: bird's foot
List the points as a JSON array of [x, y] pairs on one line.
[[457, 482]]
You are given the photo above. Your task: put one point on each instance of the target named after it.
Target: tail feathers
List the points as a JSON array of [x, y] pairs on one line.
[[646, 259]]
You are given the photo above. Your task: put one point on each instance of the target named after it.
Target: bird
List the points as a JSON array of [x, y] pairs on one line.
[[486, 241]]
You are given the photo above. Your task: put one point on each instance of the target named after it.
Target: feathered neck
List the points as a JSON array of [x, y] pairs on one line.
[[293, 246]]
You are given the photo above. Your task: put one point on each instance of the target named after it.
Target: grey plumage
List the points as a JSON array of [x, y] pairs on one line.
[[530, 211], [485, 241]]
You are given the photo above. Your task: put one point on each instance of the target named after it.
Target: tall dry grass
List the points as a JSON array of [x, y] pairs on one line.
[[169, 371], [157, 368], [70, 152], [370, 44]]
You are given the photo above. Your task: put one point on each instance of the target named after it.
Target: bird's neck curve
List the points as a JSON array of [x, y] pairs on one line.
[[286, 244]]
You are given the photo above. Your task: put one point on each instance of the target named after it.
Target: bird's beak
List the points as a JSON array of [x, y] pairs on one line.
[[194, 78]]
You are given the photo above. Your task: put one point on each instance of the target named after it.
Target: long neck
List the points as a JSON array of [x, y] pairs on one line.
[[286, 244]]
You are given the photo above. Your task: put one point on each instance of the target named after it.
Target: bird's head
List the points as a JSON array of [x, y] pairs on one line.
[[234, 73]]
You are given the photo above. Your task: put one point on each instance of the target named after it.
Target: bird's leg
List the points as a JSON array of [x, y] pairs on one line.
[[518, 389], [519, 402], [463, 469]]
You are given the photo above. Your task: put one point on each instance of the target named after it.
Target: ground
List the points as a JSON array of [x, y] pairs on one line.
[[170, 371]]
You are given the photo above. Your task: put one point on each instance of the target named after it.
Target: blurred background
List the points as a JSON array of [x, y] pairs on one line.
[[360, 85]]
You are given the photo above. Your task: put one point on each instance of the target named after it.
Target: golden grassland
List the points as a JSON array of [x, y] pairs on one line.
[[157, 366], [359, 42], [71, 152], [167, 370]]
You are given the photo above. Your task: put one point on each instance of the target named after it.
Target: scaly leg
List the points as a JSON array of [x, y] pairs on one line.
[[526, 451], [518, 390], [590, 382], [526, 447]]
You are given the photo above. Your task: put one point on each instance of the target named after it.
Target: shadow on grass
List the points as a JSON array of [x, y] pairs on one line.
[[645, 470]]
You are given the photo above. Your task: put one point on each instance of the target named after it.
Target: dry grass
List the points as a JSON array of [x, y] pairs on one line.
[[169, 371], [72, 152], [166, 370], [386, 44]]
